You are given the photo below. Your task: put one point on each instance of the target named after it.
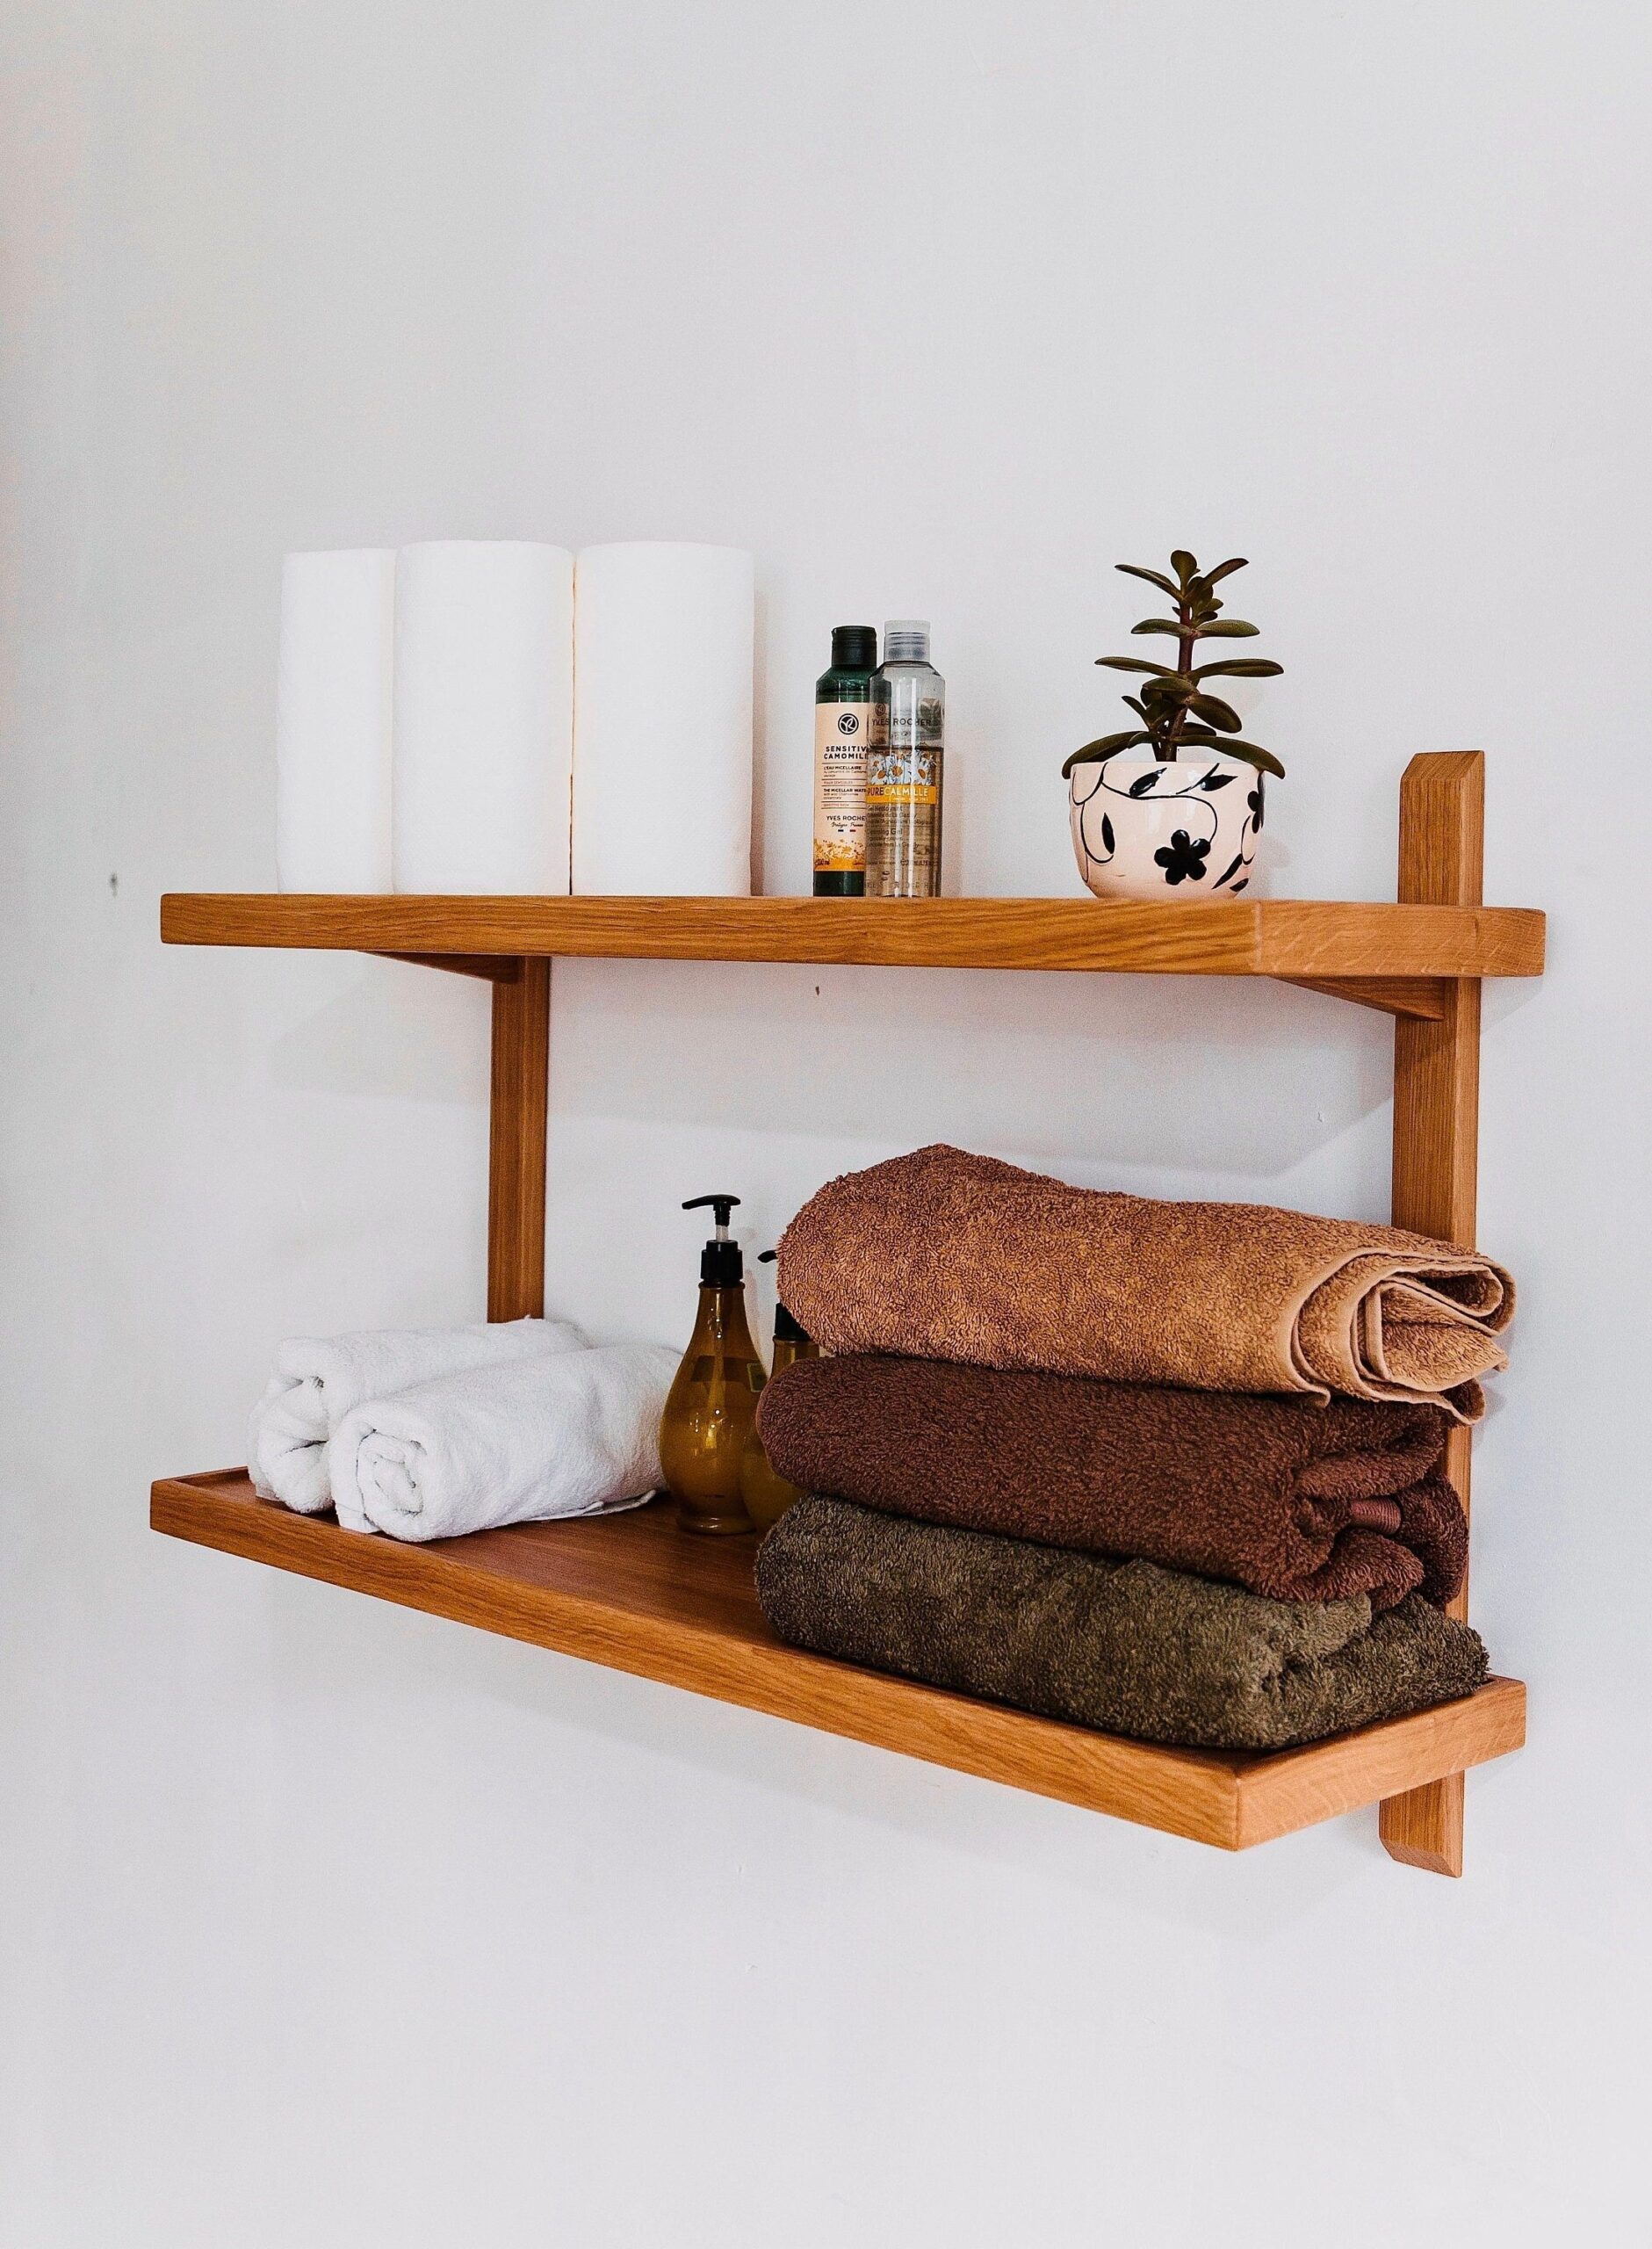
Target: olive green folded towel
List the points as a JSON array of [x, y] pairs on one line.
[[1125, 1646]]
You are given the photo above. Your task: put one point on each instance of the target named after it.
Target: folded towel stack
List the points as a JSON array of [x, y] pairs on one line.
[[1244, 1411], [431, 1433]]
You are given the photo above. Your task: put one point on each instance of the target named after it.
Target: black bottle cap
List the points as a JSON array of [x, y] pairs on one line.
[[788, 1327], [855, 647], [721, 1264]]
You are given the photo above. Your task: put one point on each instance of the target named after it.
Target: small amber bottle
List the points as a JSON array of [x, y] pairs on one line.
[[766, 1494], [711, 1405]]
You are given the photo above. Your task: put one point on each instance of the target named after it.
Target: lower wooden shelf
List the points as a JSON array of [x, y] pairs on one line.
[[636, 1594]]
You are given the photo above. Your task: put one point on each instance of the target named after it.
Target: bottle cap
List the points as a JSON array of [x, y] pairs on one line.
[[788, 1327], [855, 647], [721, 1264], [907, 641]]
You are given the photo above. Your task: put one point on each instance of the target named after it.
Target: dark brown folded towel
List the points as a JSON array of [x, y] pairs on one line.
[[1302, 1501], [952, 1256], [1122, 1645]]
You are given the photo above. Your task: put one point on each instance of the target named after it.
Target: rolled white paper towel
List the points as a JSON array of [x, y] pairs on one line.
[[333, 723], [662, 732], [483, 735]]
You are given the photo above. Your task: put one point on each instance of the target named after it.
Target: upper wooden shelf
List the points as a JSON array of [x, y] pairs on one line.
[[1307, 941], [638, 1595]]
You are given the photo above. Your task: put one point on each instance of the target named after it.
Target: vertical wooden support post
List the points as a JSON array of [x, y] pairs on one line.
[[517, 1143], [1436, 1143]]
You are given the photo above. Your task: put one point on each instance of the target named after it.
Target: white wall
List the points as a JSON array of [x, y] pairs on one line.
[[325, 1924]]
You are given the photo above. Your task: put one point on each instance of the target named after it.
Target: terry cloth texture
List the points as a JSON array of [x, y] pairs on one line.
[[574, 1433], [319, 1380], [1125, 1646], [945, 1256], [1302, 1502]]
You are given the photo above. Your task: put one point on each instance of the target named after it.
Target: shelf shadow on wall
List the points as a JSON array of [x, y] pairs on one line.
[[1232, 1075], [653, 1748]]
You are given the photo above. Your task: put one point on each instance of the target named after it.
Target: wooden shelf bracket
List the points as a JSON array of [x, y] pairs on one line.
[[1436, 1142], [518, 1099]]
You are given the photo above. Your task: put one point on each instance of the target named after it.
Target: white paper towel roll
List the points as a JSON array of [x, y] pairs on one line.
[[484, 736], [662, 737], [332, 728]]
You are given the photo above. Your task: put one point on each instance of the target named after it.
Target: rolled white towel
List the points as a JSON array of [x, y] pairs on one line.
[[574, 1435], [319, 1380]]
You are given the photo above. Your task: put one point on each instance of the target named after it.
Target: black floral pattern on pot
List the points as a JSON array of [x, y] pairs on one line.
[[1182, 859], [1230, 870], [1092, 827], [1099, 836]]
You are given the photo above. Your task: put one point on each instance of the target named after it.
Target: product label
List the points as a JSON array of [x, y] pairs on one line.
[[841, 736], [910, 726], [903, 823], [904, 777]]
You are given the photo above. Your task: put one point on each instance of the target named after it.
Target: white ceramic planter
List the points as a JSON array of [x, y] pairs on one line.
[[1185, 830]]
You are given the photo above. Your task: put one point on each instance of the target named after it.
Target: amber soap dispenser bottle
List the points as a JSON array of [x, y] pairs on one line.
[[711, 1408], [767, 1495]]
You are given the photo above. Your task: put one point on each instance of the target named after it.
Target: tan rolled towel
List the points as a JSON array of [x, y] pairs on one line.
[[940, 1255]]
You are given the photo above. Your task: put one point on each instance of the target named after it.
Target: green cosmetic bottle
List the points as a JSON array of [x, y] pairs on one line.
[[843, 736], [711, 1405]]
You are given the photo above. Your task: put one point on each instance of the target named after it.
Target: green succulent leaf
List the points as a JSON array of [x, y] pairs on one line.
[[1177, 711], [1263, 760], [1096, 753], [1212, 709], [1153, 577], [1240, 668]]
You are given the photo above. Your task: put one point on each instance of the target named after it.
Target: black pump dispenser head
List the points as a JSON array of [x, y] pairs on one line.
[[721, 1264], [788, 1328]]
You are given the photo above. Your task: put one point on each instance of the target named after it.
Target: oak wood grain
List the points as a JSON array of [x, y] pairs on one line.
[[1423, 996], [494, 968], [639, 1595], [1312, 940], [1436, 1143], [518, 1097]]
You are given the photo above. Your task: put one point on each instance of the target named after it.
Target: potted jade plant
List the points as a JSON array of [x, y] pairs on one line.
[[1172, 807]]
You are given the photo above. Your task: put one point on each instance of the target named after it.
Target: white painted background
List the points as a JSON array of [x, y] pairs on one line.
[[322, 1924]]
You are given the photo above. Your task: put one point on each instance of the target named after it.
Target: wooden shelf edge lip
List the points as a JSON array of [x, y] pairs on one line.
[[1324, 1779], [1308, 940], [552, 1593]]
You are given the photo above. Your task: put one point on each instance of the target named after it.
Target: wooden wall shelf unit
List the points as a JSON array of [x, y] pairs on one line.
[[635, 1593]]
